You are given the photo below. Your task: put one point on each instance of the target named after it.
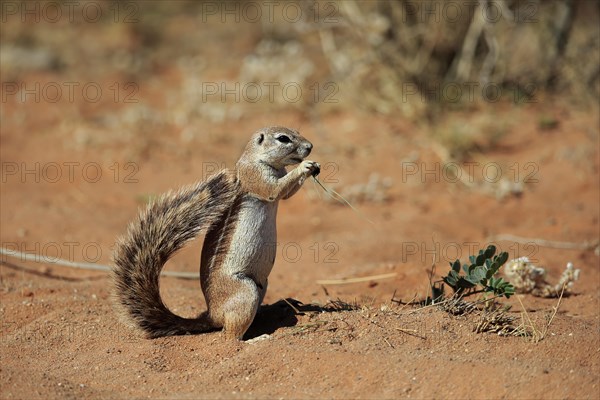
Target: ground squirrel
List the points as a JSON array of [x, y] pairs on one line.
[[237, 210]]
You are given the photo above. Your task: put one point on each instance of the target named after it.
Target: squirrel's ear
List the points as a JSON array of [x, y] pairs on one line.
[[260, 138]]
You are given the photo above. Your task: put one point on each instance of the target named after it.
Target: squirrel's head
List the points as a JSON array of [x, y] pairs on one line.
[[278, 146]]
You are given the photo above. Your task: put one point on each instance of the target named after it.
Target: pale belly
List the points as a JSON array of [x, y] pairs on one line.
[[254, 242]]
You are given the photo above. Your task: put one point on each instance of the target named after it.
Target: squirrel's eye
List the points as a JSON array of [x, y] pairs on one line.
[[284, 139]]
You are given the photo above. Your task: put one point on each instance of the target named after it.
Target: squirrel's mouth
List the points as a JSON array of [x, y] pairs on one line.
[[296, 160]]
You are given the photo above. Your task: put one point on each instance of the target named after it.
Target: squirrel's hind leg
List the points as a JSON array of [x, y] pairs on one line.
[[240, 307]]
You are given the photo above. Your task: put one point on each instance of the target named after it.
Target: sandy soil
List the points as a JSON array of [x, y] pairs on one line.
[[73, 175]]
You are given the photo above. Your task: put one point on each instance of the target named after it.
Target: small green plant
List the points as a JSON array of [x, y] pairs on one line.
[[480, 272]]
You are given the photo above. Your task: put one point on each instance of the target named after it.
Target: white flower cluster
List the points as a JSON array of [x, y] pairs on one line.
[[528, 278]]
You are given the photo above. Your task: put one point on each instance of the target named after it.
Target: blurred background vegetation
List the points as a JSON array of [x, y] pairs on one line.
[[411, 59]]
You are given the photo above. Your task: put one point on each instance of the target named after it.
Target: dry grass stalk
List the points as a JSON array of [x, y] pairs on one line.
[[496, 320], [536, 334], [344, 281], [456, 305]]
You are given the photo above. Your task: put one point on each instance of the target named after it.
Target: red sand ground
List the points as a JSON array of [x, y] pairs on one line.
[[62, 339], [60, 336]]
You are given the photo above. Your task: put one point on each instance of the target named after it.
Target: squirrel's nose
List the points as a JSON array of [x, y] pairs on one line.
[[308, 147]]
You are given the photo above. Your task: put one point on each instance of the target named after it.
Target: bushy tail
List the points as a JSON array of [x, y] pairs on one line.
[[158, 232]]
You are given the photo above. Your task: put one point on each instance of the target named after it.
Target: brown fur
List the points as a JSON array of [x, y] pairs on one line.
[[238, 204], [159, 231]]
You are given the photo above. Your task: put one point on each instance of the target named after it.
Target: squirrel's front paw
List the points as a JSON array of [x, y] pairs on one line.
[[309, 168]]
